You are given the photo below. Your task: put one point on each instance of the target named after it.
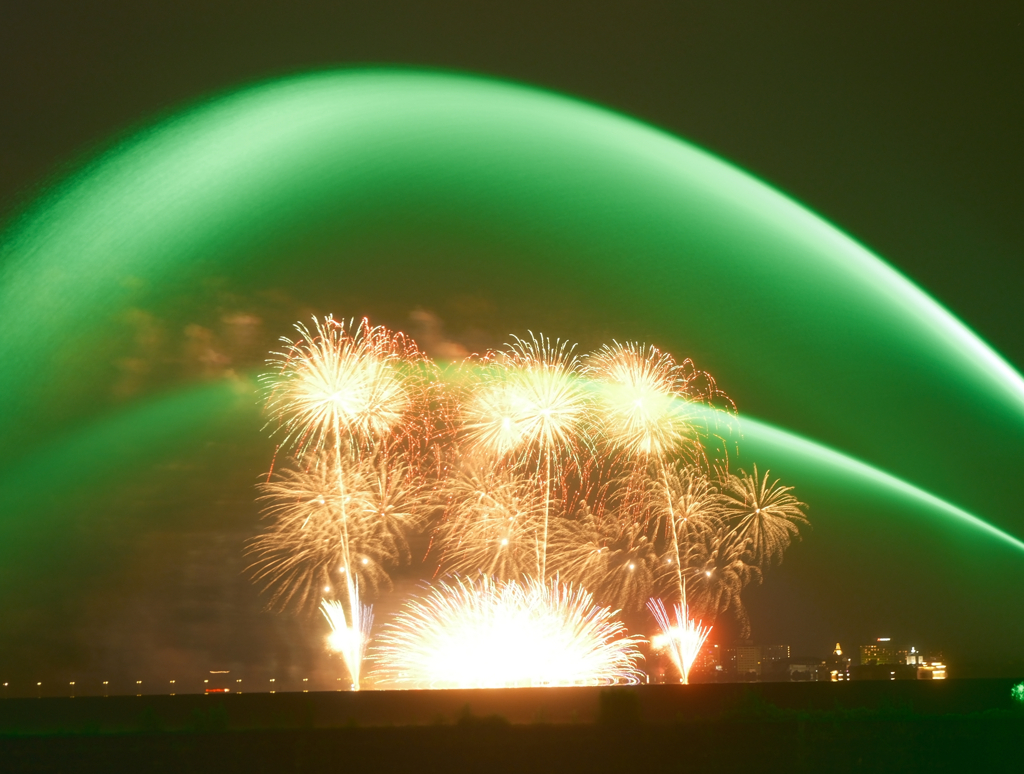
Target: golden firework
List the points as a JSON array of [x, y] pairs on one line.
[[343, 384], [528, 402], [768, 515], [529, 408], [494, 523], [611, 557], [641, 394], [335, 525]]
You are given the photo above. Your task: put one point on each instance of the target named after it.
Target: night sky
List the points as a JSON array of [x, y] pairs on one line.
[[900, 124]]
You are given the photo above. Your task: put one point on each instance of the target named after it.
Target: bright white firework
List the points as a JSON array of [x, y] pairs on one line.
[[530, 407], [642, 410], [349, 638], [340, 383], [683, 639], [528, 401], [485, 634]]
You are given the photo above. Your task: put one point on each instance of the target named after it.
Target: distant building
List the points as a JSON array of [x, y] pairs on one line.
[[883, 672], [838, 665], [936, 670], [806, 670], [779, 665], [881, 660], [744, 661], [772, 653], [878, 653], [709, 659]]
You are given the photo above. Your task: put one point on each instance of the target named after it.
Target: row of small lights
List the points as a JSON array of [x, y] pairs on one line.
[[172, 683]]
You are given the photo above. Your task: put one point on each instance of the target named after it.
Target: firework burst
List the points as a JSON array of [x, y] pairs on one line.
[[683, 639], [339, 384], [349, 636], [530, 409], [494, 523], [683, 503], [768, 514], [333, 526], [612, 558], [486, 634], [528, 402], [717, 562], [641, 413]]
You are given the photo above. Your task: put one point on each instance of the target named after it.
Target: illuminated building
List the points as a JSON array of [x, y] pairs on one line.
[[838, 665], [883, 661], [709, 659], [744, 661], [775, 653], [879, 652], [935, 670], [911, 656]]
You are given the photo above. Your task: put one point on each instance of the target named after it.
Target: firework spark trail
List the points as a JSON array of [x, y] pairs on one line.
[[493, 523], [339, 384], [314, 516], [349, 638], [481, 634], [768, 514], [683, 639], [301, 553], [530, 409], [687, 501], [343, 389], [643, 397]]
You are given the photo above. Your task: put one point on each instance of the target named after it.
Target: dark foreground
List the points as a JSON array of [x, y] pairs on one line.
[[953, 726]]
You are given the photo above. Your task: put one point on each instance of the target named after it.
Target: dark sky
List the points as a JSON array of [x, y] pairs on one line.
[[899, 122]]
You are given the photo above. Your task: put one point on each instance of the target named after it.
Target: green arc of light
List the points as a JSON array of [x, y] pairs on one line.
[[822, 455], [581, 196], [142, 434]]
